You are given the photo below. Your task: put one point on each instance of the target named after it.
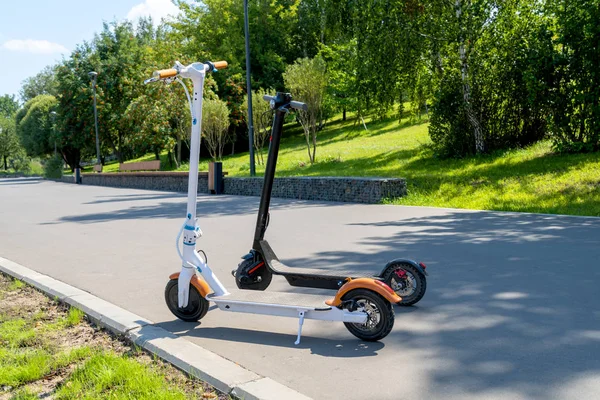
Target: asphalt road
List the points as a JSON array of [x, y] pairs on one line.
[[512, 309]]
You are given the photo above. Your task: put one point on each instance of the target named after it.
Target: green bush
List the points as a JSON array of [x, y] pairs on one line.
[[21, 163], [449, 127], [53, 167]]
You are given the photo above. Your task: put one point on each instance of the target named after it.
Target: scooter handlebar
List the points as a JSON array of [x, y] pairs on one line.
[[294, 104], [164, 73], [220, 64], [298, 105]]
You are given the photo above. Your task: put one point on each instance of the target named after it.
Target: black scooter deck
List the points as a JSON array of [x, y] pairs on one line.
[[306, 277]]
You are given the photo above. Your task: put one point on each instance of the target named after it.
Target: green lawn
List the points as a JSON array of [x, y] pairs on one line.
[[36, 169], [49, 351], [532, 179]]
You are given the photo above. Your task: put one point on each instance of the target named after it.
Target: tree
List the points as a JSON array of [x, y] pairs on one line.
[[341, 59], [576, 119], [307, 81], [75, 119], [9, 142], [215, 124], [159, 120], [35, 125], [119, 58], [42, 83], [8, 105], [263, 120]]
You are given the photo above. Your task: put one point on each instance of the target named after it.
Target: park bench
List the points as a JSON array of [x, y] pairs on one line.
[[140, 166]]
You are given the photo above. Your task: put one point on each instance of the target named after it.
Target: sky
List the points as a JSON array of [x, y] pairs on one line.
[[37, 33]]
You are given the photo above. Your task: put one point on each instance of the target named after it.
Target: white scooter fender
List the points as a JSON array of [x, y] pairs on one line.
[[183, 285]]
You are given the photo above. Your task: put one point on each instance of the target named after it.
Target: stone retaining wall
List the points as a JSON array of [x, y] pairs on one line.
[[344, 189], [170, 181]]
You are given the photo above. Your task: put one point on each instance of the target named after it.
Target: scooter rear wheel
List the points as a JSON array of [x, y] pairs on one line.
[[197, 305], [380, 313], [407, 281]]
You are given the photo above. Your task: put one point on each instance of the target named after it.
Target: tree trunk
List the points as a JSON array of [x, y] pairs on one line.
[[464, 68], [178, 161], [314, 149], [5, 164], [344, 114]]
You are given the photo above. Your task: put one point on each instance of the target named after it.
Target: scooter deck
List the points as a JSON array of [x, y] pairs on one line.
[[280, 268], [292, 300]]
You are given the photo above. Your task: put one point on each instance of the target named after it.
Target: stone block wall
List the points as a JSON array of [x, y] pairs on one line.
[[342, 189], [169, 181]]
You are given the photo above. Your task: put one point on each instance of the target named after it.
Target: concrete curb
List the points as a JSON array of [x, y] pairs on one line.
[[226, 376]]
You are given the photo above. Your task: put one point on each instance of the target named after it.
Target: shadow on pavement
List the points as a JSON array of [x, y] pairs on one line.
[[207, 207], [344, 348], [512, 301]]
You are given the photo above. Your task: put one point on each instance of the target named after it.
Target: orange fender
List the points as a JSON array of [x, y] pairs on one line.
[[365, 283], [198, 283]]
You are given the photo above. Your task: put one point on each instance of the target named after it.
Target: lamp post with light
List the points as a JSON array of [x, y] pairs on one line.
[[53, 113], [93, 75]]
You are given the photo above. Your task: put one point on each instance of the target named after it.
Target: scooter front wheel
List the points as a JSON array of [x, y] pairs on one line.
[[253, 275], [380, 315], [197, 305]]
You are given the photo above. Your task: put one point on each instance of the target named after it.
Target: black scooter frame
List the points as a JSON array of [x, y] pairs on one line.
[[262, 251]]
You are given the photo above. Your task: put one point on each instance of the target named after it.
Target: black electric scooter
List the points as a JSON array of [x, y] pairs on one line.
[[406, 277]]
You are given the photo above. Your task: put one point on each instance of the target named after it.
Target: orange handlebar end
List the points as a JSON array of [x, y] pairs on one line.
[[165, 73], [220, 64]]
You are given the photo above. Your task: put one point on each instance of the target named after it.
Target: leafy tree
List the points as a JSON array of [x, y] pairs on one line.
[[576, 120], [9, 142], [35, 125], [489, 58], [118, 58], [263, 120], [216, 28], [75, 119], [8, 105], [341, 59], [307, 81], [215, 125], [159, 120], [42, 83]]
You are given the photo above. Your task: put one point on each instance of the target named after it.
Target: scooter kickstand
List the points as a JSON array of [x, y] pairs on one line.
[[300, 323]]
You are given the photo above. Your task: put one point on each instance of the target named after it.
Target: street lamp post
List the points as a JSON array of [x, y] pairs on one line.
[[249, 89], [93, 75], [53, 113]]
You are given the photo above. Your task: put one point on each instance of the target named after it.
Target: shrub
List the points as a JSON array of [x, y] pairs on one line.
[[53, 167]]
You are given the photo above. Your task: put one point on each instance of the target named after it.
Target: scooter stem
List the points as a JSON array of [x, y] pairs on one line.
[[265, 198], [196, 72], [198, 81]]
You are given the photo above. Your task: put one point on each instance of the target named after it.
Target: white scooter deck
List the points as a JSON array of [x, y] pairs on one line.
[[295, 305]]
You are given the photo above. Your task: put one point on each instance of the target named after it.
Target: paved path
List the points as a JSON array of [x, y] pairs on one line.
[[512, 310]]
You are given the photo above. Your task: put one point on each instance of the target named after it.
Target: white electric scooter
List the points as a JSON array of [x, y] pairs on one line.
[[363, 304]]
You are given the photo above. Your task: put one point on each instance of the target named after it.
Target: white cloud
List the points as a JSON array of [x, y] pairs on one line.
[[34, 46], [156, 9]]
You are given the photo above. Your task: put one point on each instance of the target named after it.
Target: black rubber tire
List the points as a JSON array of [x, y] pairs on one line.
[[264, 272], [386, 313], [197, 305], [420, 280]]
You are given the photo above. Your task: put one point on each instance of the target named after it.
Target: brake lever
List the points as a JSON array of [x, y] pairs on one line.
[[150, 80]]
